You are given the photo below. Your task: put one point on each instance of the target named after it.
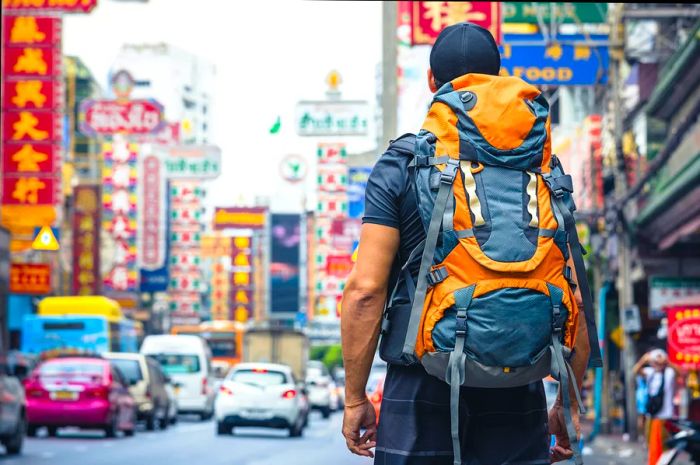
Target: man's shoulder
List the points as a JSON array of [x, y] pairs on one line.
[[403, 145]]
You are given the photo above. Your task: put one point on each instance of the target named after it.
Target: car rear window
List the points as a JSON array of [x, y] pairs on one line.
[[130, 369], [262, 378], [76, 371], [178, 363]]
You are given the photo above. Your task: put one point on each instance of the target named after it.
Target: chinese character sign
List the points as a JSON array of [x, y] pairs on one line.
[[242, 277], [86, 240], [31, 110], [119, 213], [429, 18], [42, 6], [152, 213], [30, 278]]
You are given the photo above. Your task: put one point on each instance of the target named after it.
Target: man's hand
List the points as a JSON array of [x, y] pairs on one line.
[[562, 449], [357, 418]]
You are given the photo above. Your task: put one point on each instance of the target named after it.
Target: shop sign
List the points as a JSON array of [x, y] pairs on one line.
[[664, 290], [86, 240], [327, 153], [44, 6], [561, 12], [332, 204], [293, 168], [564, 60], [240, 217], [339, 266], [192, 162], [684, 335], [152, 213], [428, 19], [332, 178], [31, 94], [216, 245], [107, 117], [30, 278], [357, 184], [332, 118]]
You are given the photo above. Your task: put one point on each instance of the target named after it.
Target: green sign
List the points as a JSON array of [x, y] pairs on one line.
[[563, 12]]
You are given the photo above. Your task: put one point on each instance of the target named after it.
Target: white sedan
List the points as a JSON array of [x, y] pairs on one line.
[[263, 395]]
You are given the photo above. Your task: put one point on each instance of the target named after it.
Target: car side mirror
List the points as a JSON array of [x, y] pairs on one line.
[[133, 382]]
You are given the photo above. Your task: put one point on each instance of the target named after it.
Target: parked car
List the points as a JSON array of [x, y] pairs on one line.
[[87, 392], [147, 385], [375, 390], [321, 388], [187, 360], [13, 420], [339, 376], [261, 394]]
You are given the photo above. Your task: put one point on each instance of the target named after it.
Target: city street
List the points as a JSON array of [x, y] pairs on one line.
[[193, 442]]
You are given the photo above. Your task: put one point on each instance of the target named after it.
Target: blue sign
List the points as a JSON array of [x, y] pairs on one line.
[[567, 60], [157, 280], [357, 183]]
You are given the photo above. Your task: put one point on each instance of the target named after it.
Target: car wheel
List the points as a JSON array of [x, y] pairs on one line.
[[111, 428], [164, 421], [297, 429], [31, 430], [129, 432], [52, 431], [13, 444], [151, 422], [306, 419], [173, 419], [204, 416], [222, 429], [326, 412]]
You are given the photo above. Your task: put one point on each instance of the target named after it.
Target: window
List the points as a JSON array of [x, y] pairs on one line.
[[260, 378], [131, 369], [178, 363]]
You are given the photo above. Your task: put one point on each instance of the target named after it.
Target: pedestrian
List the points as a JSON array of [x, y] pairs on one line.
[[496, 425], [660, 377]]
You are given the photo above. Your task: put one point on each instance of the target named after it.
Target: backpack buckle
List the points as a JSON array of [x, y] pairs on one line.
[[437, 275], [557, 324], [447, 176], [461, 325]]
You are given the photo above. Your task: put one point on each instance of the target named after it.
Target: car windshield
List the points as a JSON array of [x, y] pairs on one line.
[[82, 370], [260, 378], [178, 363], [130, 369]]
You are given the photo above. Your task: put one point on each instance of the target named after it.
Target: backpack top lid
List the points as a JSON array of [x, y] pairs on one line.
[[496, 120]]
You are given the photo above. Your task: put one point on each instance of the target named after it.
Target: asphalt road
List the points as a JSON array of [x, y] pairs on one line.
[[193, 442]]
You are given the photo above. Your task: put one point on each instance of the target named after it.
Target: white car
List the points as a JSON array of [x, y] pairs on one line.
[[186, 359], [322, 389], [263, 395]]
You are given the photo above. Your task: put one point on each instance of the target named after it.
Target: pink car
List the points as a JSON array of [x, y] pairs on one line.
[[79, 391]]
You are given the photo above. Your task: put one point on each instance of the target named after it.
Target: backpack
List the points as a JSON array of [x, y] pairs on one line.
[[493, 304], [655, 402]]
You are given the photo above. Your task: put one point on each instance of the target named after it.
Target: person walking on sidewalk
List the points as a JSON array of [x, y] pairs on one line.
[[661, 387], [496, 425]]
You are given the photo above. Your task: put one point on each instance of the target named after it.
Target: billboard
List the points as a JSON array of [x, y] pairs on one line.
[[86, 240], [428, 19], [285, 264]]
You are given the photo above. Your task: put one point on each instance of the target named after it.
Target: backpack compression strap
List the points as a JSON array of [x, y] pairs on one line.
[[557, 186], [447, 177]]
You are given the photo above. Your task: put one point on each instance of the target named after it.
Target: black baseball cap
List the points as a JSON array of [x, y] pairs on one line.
[[464, 48]]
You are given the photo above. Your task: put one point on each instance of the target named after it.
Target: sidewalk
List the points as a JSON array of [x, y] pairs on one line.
[[612, 450]]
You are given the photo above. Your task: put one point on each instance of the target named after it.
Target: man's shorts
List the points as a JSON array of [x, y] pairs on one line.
[[497, 426]]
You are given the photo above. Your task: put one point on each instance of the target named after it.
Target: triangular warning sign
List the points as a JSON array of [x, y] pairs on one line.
[[45, 240]]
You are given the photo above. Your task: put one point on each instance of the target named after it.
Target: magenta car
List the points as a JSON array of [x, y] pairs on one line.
[[79, 391]]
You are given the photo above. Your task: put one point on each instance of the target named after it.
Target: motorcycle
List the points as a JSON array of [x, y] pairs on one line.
[[686, 437]]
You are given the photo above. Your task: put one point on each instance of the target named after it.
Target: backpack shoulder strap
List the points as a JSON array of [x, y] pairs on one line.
[[560, 186], [405, 144]]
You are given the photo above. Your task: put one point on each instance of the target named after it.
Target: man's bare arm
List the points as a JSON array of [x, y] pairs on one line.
[[362, 306]]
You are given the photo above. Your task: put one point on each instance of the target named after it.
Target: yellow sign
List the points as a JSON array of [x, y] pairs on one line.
[[45, 240]]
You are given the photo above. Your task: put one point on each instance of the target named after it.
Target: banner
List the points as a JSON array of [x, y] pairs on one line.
[[106, 117], [285, 263], [429, 18], [30, 278], [243, 280], [86, 240], [560, 12], [240, 218], [191, 161], [567, 60], [44, 6], [119, 217]]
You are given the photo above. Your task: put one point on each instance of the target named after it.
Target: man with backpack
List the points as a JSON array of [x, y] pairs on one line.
[[467, 268]]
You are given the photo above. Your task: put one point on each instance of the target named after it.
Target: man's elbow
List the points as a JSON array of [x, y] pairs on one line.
[[364, 293]]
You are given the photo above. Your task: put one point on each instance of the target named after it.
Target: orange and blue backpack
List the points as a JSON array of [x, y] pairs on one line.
[[493, 304]]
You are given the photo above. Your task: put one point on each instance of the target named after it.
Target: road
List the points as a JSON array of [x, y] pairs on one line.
[[193, 442]]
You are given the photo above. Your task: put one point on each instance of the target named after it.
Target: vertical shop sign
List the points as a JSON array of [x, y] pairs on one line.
[[86, 240]]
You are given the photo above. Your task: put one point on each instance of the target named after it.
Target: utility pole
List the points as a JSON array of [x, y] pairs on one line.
[[624, 282], [389, 64]]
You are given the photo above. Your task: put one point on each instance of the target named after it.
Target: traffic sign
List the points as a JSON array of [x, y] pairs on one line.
[[46, 240]]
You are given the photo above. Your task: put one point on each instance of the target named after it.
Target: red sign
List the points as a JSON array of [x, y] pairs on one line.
[[36, 62], [31, 94], [30, 278], [32, 190], [684, 335], [30, 126], [43, 6], [30, 159], [104, 117], [31, 30], [429, 18], [86, 240], [339, 266]]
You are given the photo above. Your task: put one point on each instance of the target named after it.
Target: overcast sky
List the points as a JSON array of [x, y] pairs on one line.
[[268, 55]]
